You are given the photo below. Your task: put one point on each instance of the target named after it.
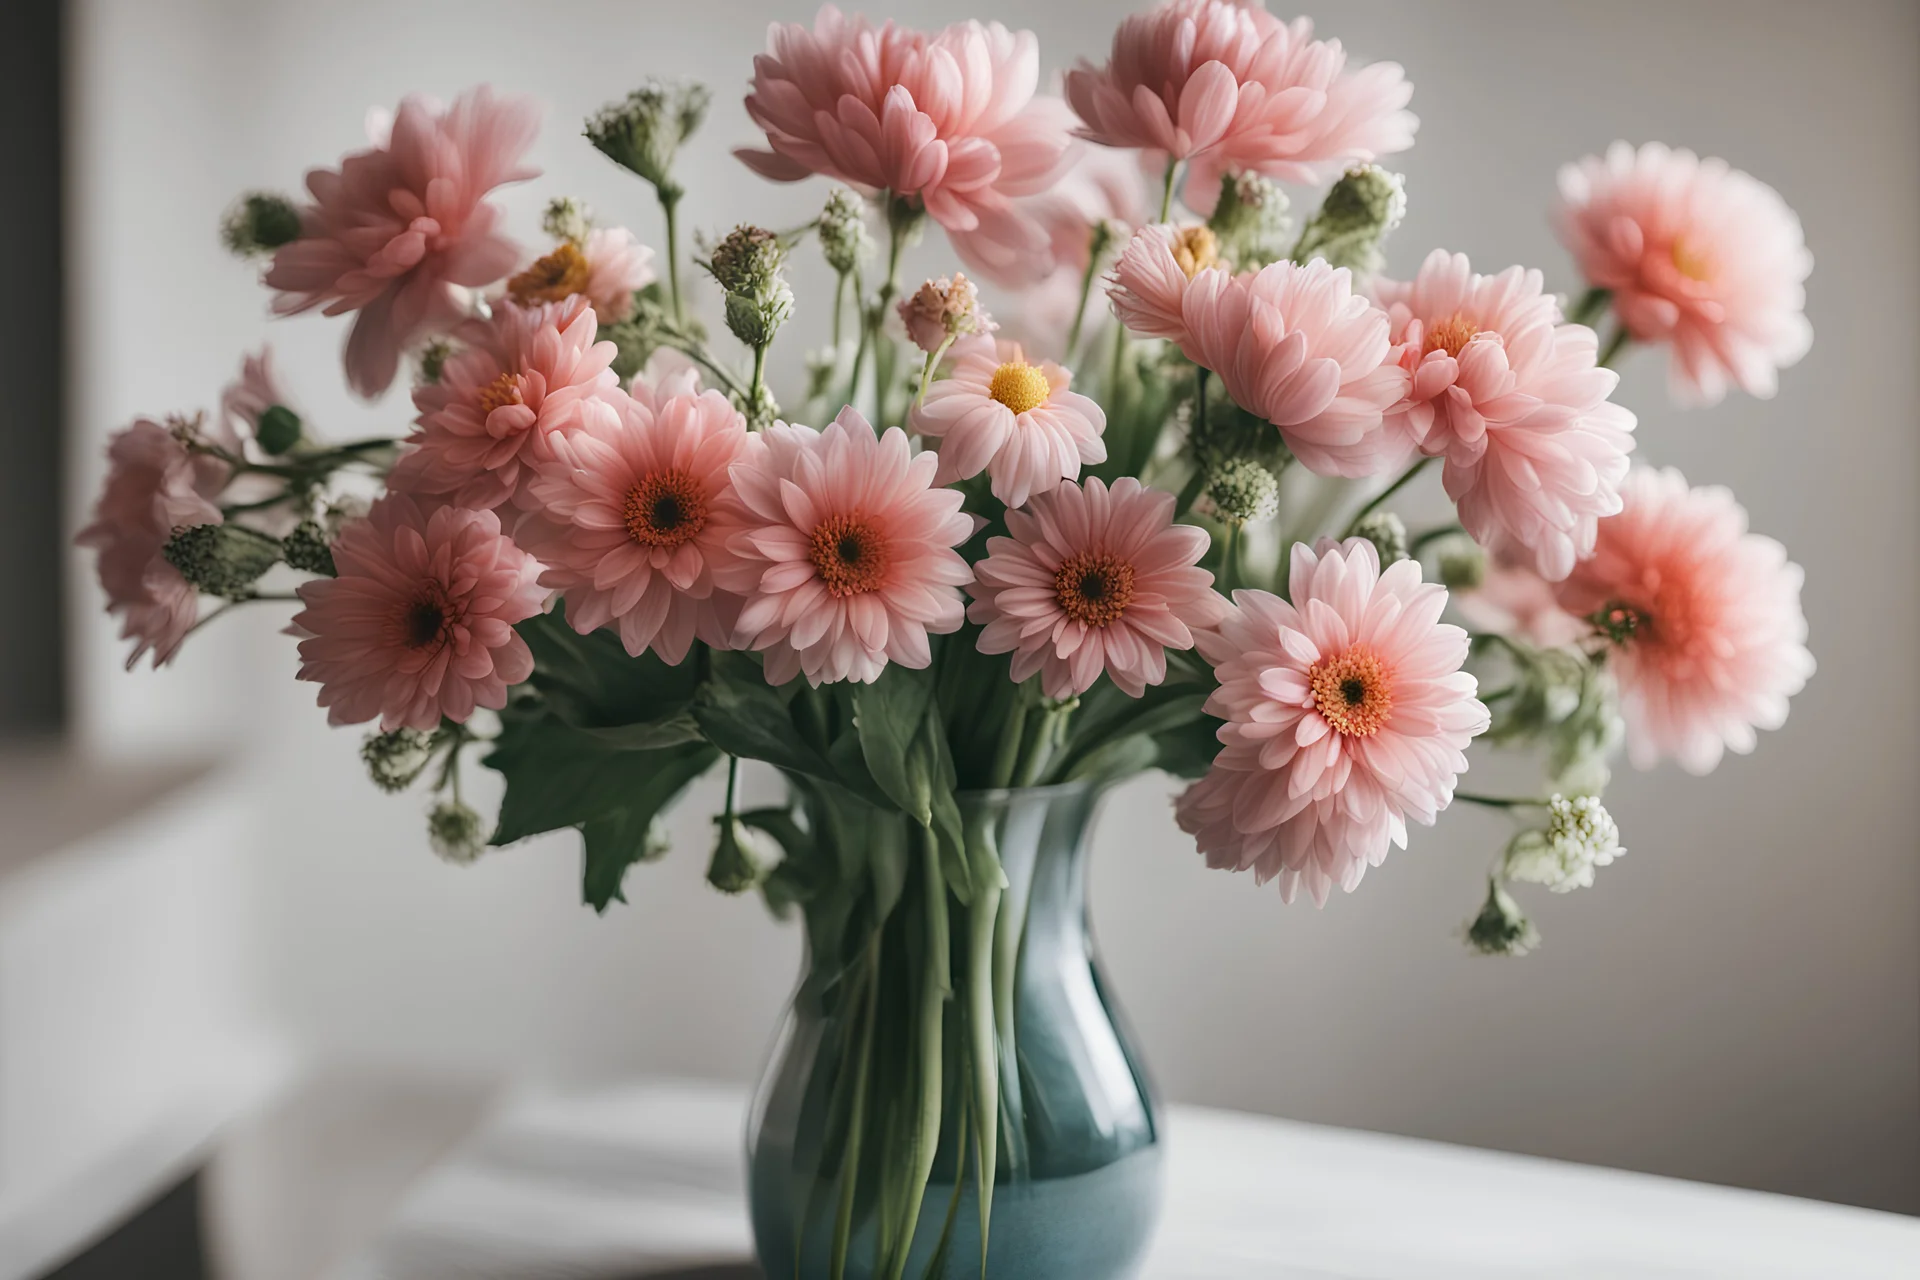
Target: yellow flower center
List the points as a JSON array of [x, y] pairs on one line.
[[1195, 249], [1449, 335], [1352, 692], [849, 554], [501, 392], [1019, 386], [1093, 588], [1692, 262], [665, 509], [554, 278]]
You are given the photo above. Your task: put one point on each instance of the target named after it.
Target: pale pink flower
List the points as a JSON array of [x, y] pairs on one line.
[[1093, 579], [154, 486], [1017, 421], [1346, 714], [397, 229], [526, 375], [949, 120], [1512, 599], [1696, 254], [1228, 85], [607, 268], [635, 512], [1149, 281], [419, 623], [1515, 403], [1712, 641], [847, 562]]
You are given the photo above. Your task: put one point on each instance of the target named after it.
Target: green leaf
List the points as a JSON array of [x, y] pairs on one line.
[[1188, 750], [1111, 761], [592, 682], [888, 715], [743, 715]]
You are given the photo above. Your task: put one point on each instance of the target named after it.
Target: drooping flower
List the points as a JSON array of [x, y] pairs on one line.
[[398, 229], [419, 623], [942, 310], [607, 266], [526, 375], [847, 562], [1710, 638], [1228, 85], [1515, 404], [1093, 579], [1346, 714], [1017, 421], [154, 486], [949, 120], [1697, 254], [634, 514]]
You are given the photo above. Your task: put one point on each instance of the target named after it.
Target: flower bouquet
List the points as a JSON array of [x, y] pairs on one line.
[[1147, 521]]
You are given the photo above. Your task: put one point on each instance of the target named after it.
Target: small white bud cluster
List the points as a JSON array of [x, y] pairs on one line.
[[1388, 534], [568, 220], [1580, 836], [843, 231], [1241, 490], [456, 832], [396, 758]]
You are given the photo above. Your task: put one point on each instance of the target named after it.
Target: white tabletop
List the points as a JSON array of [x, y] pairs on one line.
[[646, 1180]]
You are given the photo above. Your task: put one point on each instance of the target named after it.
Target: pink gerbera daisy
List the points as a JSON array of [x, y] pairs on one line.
[[635, 512], [1346, 714], [1696, 254], [607, 268], [396, 230], [1014, 420], [1710, 638], [847, 562], [1514, 402], [1093, 579], [527, 375], [419, 623]]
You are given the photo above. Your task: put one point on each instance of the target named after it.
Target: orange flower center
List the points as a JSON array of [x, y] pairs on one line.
[[1195, 249], [554, 278], [502, 391], [1019, 386], [665, 509], [1449, 335], [422, 621], [1692, 262], [849, 554], [1093, 588], [1352, 692]]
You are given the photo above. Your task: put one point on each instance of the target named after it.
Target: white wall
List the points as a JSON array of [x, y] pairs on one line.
[[1738, 1000]]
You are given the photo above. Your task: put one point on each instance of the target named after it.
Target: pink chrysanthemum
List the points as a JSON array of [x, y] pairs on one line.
[[154, 485], [1712, 641], [1346, 714], [419, 623], [1228, 85], [949, 120], [1014, 420], [396, 230], [847, 562], [607, 269], [528, 374], [1094, 579], [1697, 254], [1514, 402], [635, 512]]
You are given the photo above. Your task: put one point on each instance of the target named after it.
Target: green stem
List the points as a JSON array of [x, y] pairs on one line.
[[1616, 343], [1406, 477], [982, 916], [1080, 312], [874, 316], [670, 206], [856, 1120], [1590, 307], [926, 370], [1499, 802], [1229, 547], [936, 984], [756, 387], [687, 345], [1427, 538], [839, 306], [1166, 189]]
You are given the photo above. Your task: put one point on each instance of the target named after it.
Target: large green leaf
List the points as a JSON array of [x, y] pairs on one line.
[[888, 715], [592, 682]]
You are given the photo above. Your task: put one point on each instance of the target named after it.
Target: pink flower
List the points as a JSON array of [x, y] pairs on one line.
[[1696, 254], [608, 268], [847, 562], [1229, 85], [1094, 579], [528, 375], [635, 512], [1712, 642], [154, 485], [396, 228], [1514, 600], [1014, 420], [1103, 186], [419, 623], [1346, 714], [242, 404], [248, 397], [1515, 403], [942, 310], [949, 120]]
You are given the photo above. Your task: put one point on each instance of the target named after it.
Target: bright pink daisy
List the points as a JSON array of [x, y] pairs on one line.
[[1697, 254], [396, 230], [419, 623], [949, 120], [1346, 714], [635, 512], [848, 560], [1017, 421], [529, 374], [1711, 639], [1516, 404], [607, 269], [1093, 579]]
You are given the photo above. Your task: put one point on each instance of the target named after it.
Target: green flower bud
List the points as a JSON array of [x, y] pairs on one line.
[[258, 223], [567, 219], [643, 131], [279, 429], [843, 231], [1250, 221], [1501, 928], [1241, 490], [1358, 213], [1463, 565], [456, 832], [737, 864], [762, 412], [397, 758], [748, 263], [431, 361], [1580, 836], [221, 559], [1388, 534], [306, 548]]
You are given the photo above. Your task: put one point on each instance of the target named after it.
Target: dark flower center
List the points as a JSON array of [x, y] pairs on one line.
[[849, 553], [1093, 588]]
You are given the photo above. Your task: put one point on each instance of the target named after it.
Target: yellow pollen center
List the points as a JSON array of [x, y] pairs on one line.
[[554, 278], [1691, 262], [1195, 249], [849, 554], [1352, 692], [665, 509], [1449, 335], [1093, 588], [1019, 386], [502, 391]]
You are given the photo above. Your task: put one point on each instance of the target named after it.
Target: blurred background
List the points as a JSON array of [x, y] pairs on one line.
[[205, 910]]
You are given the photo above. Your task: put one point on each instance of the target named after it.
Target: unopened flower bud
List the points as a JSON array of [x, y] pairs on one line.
[[643, 131], [748, 264], [1242, 490], [942, 310], [762, 411], [397, 758], [258, 223], [1501, 928], [456, 832], [431, 360], [737, 863], [1580, 836], [307, 549], [1250, 221], [221, 559], [1617, 621], [1387, 532], [567, 219], [1358, 213], [278, 429], [1463, 565], [843, 231]]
